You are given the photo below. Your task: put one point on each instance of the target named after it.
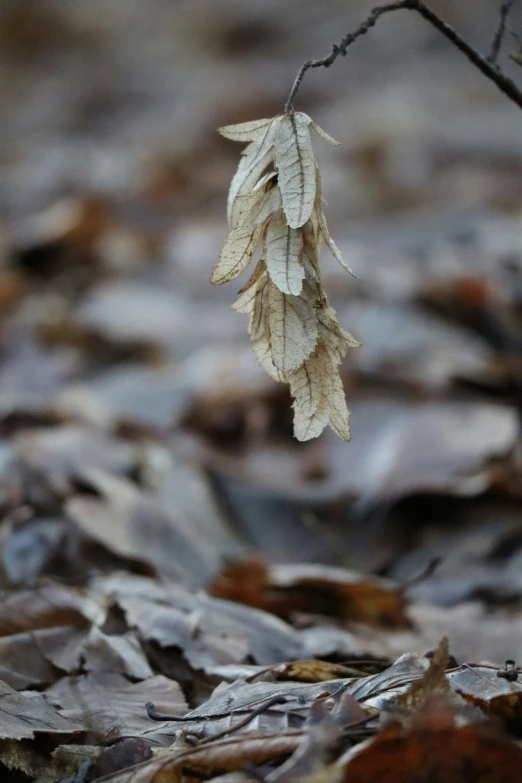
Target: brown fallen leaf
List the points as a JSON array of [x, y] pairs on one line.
[[49, 605], [120, 653], [37, 658], [275, 706], [496, 691], [433, 687], [26, 715], [208, 631], [181, 542], [438, 752], [212, 759], [109, 706], [314, 671], [284, 590], [42, 633]]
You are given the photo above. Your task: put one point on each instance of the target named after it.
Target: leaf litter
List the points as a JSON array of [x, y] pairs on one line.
[[164, 540]]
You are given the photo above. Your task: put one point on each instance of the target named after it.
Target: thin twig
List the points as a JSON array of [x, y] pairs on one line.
[[161, 716], [278, 699], [489, 70], [496, 44]]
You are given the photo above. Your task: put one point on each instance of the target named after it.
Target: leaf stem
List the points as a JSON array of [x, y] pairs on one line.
[[496, 44]]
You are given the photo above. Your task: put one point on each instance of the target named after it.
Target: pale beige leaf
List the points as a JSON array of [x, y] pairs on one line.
[[309, 268], [236, 255], [308, 427], [245, 303], [259, 155], [254, 277], [258, 325], [283, 248], [319, 222], [352, 341], [244, 131], [332, 336], [261, 208], [293, 329], [263, 354], [295, 164], [339, 418], [323, 134], [247, 202], [310, 258], [305, 387], [331, 244], [339, 413]]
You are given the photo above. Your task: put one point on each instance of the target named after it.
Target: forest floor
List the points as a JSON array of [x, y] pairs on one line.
[[326, 610]]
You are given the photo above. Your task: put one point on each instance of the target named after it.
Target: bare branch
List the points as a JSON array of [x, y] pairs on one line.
[[488, 69], [496, 44]]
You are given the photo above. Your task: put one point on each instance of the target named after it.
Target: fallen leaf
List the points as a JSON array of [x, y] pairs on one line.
[[26, 715], [436, 753], [321, 590], [207, 630], [109, 705], [121, 654], [213, 759]]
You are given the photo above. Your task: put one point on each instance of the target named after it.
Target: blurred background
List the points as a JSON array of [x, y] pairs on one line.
[[136, 430]]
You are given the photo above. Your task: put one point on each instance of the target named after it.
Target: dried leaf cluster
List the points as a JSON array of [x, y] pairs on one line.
[[297, 339]]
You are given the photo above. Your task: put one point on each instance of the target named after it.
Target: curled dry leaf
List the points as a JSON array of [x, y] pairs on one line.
[[296, 336], [322, 226], [323, 134]]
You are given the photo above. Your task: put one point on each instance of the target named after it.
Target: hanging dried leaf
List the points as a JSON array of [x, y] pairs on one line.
[[332, 386], [254, 277], [244, 131], [323, 134], [335, 339], [256, 158], [308, 427], [245, 303], [339, 413], [306, 389], [295, 164], [297, 338], [263, 354], [236, 255], [293, 329], [323, 228], [283, 249], [258, 325], [265, 204]]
